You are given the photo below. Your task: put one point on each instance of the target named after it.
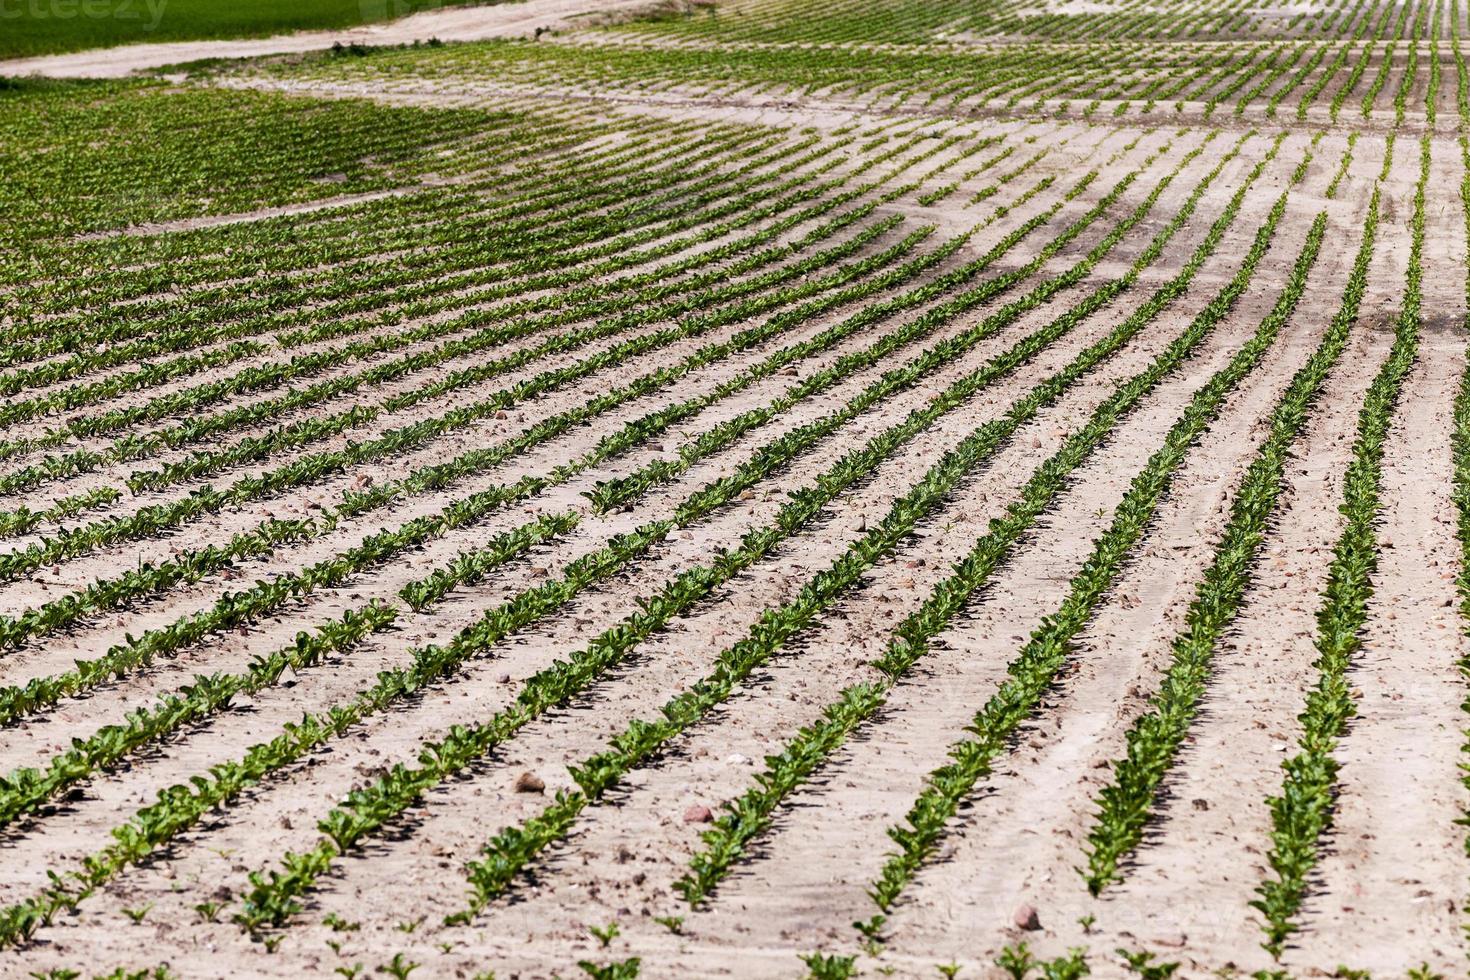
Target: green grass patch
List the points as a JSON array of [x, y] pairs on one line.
[[38, 27]]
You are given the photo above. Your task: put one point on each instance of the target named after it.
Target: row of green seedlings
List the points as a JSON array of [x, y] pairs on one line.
[[272, 901], [1431, 87], [617, 492], [30, 788], [1364, 52], [1462, 71], [646, 287], [106, 594], [264, 540], [132, 446], [180, 807], [315, 273], [588, 195], [1017, 962], [761, 202], [543, 144], [1033, 672], [508, 853], [1386, 59], [751, 814], [758, 196], [121, 973], [1125, 805], [1342, 168], [148, 520], [1411, 68], [1460, 435], [1302, 814]]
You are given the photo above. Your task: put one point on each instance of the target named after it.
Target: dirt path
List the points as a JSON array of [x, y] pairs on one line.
[[521, 19]]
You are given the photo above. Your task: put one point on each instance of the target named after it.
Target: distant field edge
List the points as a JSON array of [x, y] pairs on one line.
[[33, 28]]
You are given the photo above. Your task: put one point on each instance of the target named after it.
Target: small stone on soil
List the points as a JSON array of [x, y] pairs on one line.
[[1026, 918]]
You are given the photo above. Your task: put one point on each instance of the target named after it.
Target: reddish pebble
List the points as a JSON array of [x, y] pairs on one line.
[[1026, 917]]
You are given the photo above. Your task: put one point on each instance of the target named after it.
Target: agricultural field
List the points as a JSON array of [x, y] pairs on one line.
[[751, 488]]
